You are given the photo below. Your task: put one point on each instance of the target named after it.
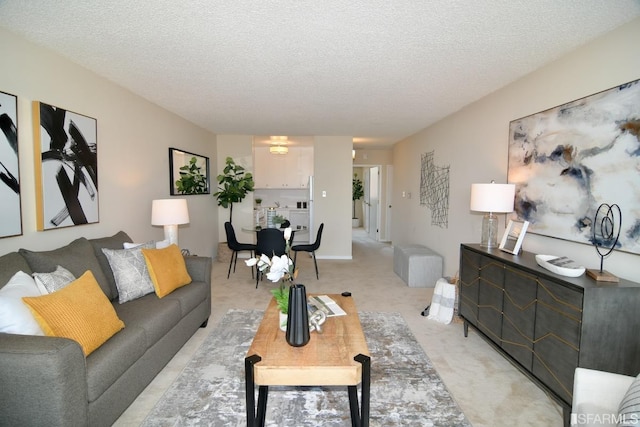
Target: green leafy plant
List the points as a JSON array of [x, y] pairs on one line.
[[281, 295], [191, 181], [233, 185], [279, 219], [357, 192]]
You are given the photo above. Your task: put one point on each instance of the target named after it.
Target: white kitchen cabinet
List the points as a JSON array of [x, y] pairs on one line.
[[291, 170]]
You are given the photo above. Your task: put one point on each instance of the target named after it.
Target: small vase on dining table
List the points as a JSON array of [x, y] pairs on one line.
[[297, 332]]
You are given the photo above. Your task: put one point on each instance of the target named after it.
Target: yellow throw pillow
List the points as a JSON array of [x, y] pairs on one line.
[[167, 269], [80, 311]]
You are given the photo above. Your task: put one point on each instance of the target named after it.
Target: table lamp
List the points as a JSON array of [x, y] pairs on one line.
[[170, 213], [491, 198]]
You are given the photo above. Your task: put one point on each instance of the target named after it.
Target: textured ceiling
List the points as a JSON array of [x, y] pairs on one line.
[[379, 70]]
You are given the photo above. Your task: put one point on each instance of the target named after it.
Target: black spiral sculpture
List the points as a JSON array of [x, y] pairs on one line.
[[606, 229]]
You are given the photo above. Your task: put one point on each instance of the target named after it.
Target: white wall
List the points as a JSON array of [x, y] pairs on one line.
[[474, 143], [333, 171], [133, 140]]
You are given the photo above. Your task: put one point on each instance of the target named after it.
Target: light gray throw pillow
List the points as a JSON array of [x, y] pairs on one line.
[[130, 271], [54, 281]]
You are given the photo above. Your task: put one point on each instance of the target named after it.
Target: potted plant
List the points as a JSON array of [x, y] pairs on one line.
[[234, 184], [281, 221], [191, 181], [356, 194]]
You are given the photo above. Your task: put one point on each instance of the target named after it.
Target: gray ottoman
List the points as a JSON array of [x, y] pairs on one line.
[[417, 265]]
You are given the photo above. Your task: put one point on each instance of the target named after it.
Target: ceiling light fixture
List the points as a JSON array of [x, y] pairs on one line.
[[278, 145], [278, 149]]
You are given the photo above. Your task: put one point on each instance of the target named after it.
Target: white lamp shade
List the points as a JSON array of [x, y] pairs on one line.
[[492, 197], [169, 212]]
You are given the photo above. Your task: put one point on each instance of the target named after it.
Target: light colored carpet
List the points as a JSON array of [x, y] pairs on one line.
[[405, 388], [488, 389]]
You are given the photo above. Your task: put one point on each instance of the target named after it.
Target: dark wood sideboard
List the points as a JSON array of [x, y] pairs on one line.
[[547, 324]]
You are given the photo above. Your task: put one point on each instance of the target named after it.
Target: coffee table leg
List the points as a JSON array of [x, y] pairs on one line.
[[263, 392], [360, 417], [250, 388]]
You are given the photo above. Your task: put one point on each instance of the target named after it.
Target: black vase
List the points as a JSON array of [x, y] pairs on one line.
[[298, 318]]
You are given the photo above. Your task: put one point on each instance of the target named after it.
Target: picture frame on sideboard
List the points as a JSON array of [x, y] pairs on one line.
[[513, 236]]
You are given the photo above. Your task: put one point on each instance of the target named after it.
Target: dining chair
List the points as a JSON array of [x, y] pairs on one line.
[[270, 242], [311, 248], [236, 247]]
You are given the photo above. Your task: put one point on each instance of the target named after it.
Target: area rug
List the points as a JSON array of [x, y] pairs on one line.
[[405, 387]]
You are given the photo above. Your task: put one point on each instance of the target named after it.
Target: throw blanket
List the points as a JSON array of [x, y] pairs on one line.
[[443, 302]]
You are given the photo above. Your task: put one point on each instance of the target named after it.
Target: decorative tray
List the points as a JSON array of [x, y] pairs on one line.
[[560, 265]]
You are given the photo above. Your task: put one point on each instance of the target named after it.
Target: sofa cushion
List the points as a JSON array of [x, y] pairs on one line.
[[77, 257], [80, 311], [116, 241], [130, 271], [156, 316], [54, 281], [113, 358], [167, 269], [189, 296], [15, 316], [10, 264]]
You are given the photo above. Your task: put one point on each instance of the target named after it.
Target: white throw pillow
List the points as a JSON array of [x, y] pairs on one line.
[[130, 271], [15, 316], [54, 281], [157, 245]]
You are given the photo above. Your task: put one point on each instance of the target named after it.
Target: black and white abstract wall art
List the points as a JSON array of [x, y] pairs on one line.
[[10, 207], [66, 167], [569, 159]]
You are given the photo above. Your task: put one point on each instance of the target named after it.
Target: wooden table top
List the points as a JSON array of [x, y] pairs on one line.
[[326, 360]]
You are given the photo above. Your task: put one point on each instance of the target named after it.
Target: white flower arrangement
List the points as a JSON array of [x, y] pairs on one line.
[[277, 269]]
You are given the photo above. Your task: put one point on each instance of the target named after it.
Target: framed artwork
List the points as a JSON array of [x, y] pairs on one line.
[[568, 160], [66, 167], [513, 236], [188, 173], [11, 212]]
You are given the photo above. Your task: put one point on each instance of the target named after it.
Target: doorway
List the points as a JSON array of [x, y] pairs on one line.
[[370, 206]]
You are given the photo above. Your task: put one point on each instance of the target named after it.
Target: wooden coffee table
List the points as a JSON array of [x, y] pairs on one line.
[[337, 357]]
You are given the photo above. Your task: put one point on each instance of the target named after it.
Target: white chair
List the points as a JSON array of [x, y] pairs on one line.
[[596, 397]]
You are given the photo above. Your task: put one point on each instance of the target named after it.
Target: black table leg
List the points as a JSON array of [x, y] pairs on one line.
[[253, 419], [360, 417]]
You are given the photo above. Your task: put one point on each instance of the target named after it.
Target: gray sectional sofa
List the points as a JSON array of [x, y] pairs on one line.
[[47, 381]]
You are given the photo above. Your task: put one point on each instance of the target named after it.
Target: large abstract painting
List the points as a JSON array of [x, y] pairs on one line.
[[567, 160], [66, 167], [10, 211]]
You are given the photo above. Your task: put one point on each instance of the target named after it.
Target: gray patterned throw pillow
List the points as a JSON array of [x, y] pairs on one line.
[[629, 410], [54, 281], [130, 271]]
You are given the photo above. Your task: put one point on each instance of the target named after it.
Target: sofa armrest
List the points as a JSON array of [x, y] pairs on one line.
[[597, 392], [199, 268], [44, 381]]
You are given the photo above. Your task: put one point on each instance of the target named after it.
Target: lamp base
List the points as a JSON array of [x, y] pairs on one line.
[[171, 234], [489, 231]]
